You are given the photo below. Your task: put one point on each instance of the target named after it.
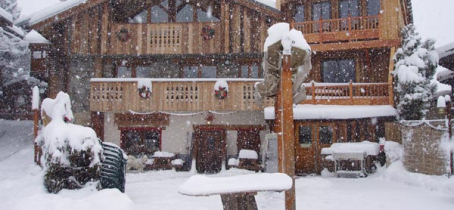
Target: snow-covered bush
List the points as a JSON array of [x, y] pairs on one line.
[[415, 66], [71, 153]]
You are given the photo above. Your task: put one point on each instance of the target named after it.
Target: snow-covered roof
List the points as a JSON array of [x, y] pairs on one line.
[[34, 37], [333, 112], [6, 15], [51, 11], [17, 30], [445, 50], [445, 74], [269, 3]]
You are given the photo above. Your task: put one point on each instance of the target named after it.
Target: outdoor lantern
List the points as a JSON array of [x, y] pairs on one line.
[[441, 105]]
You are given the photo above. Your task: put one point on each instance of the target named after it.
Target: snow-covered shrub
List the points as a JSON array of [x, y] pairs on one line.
[[71, 153], [415, 66]]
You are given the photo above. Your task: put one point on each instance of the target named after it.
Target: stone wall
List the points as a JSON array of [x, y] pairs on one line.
[[422, 152]]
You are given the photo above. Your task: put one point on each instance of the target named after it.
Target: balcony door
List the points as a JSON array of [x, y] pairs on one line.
[[349, 8], [321, 11]]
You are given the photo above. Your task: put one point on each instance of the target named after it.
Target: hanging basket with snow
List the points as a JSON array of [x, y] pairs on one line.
[[123, 35], [221, 89], [145, 88], [207, 33]]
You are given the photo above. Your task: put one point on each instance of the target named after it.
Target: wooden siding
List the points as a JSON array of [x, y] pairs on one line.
[[184, 95]]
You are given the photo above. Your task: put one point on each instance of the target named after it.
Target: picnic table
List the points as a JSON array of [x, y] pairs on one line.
[[237, 192], [161, 161], [352, 158]]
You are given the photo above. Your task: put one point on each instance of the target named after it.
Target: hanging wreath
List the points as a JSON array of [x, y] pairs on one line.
[[221, 93], [144, 92], [123, 35], [207, 33]]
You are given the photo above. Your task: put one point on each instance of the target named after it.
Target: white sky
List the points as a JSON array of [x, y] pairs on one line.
[[433, 18]]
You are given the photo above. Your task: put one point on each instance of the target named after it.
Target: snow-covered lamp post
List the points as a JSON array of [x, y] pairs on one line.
[[444, 107]]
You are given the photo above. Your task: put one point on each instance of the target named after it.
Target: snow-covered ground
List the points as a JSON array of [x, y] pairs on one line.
[[21, 187]]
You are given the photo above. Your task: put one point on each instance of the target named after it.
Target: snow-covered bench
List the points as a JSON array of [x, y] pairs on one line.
[[237, 192], [353, 158]]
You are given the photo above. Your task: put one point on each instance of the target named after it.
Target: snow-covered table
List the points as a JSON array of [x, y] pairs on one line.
[[237, 192], [161, 161], [346, 155]]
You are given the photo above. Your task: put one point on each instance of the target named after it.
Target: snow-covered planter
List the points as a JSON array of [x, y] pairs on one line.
[[71, 153], [221, 89]]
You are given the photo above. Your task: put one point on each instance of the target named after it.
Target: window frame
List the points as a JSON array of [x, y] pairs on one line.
[[337, 60], [142, 131]]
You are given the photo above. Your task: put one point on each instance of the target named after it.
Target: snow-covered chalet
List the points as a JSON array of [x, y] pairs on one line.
[[178, 75]]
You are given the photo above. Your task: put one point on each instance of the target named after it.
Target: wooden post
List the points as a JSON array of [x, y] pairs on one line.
[[390, 77], [313, 92], [285, 129], [350, 86], [449, 116]]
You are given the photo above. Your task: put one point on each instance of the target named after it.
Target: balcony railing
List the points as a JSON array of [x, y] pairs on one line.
[[166, 38], [343, 29], [119, 95]]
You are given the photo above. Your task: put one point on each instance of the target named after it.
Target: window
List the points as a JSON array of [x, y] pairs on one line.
[[305, 135], [321, 10], [338, 71], [299, 15], [39, 54], [348, 7], [140, 18], [185, 15], [143, 72], [208, 72], [139, 141], [191, 72], [124, 72], [326, 134], [250, 71], [203, 16], [373, 7], [158, 15]]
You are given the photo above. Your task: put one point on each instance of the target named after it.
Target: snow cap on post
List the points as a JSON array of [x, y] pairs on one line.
[[35, 98], [447, 98], [441, 102]]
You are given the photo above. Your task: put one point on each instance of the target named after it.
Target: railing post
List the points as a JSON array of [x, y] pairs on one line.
[[320, 29], [313, 92], [351, 92], [349, 20]]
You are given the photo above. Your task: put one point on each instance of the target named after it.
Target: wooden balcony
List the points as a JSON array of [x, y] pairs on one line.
[[337, 30], [175, 95], [166, 38]]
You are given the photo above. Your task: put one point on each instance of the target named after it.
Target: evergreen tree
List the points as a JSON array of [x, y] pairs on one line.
[[415, 65]]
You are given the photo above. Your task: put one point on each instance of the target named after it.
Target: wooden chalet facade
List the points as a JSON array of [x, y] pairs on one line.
[[100, 47]]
